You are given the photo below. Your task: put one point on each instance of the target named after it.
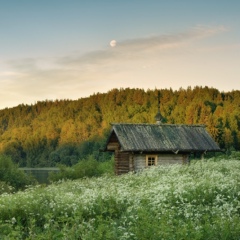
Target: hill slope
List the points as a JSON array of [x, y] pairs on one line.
[[64, 131]]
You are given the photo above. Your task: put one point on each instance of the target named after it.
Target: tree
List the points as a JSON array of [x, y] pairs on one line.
[[34, 134], [10, 174]]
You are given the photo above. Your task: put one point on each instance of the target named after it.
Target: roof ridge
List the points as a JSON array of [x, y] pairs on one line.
[[154, 124]]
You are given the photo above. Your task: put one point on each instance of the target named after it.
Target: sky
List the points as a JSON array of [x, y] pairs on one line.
[[71, 49]]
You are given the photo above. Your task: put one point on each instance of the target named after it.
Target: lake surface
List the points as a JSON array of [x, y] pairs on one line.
[[41, 174]]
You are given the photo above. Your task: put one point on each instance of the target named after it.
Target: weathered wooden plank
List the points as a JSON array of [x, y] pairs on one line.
[[121, 162], [139, 162], [113, 146], [165, 137], [164, 159]]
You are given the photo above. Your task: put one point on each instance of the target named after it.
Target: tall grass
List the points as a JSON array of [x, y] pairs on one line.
[[200, 201]]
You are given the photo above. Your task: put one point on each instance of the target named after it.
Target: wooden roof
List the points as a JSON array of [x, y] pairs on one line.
[[162, 138]]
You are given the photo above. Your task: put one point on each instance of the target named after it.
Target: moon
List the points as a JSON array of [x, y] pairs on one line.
[[113, 43]]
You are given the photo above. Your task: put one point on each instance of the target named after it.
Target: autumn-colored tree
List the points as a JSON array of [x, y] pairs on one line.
[[64, 131]]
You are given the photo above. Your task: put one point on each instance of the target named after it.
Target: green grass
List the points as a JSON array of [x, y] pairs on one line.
[[200, 201]]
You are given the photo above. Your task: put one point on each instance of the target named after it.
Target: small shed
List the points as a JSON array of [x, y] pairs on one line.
[[137, 146]]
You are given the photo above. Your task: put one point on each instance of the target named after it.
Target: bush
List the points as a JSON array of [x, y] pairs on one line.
[[84, 168], [5, 188], [12, 176], [235, 155], [230, 155]]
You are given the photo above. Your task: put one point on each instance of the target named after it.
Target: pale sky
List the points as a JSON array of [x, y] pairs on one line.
[[60, 49]]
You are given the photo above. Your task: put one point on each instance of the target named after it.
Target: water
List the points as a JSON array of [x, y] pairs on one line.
[[41, 174]]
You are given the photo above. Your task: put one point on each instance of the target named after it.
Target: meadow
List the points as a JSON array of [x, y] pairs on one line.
[[196, 201]]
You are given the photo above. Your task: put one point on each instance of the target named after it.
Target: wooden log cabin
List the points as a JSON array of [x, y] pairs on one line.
[[137, 146]]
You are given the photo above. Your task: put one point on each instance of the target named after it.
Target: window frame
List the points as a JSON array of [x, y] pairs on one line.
[[151, 156]]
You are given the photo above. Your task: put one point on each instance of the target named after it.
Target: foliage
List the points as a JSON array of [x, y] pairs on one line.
[[199, 201], [62, 131], [235, 155], [11, 177], [5, 188], [89, 167], [229, 154]]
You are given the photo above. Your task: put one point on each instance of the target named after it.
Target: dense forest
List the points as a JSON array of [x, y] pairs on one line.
[[66, 131]]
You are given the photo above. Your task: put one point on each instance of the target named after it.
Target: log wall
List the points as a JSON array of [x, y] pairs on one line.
[[162, 159], [126, 162], [139, 162], [121, 162]]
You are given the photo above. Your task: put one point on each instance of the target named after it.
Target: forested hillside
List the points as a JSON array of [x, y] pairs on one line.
[[65, 131]]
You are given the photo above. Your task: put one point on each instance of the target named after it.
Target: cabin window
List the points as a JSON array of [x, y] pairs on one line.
[[151, 160]]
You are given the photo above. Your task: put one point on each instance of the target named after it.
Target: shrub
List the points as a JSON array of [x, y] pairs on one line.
[[235, 155], [5, 188], [12, 176], [84, 168]]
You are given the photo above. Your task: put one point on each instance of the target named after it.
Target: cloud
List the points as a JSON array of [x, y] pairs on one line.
[[168, 41], [132, 49], [77, 75]]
